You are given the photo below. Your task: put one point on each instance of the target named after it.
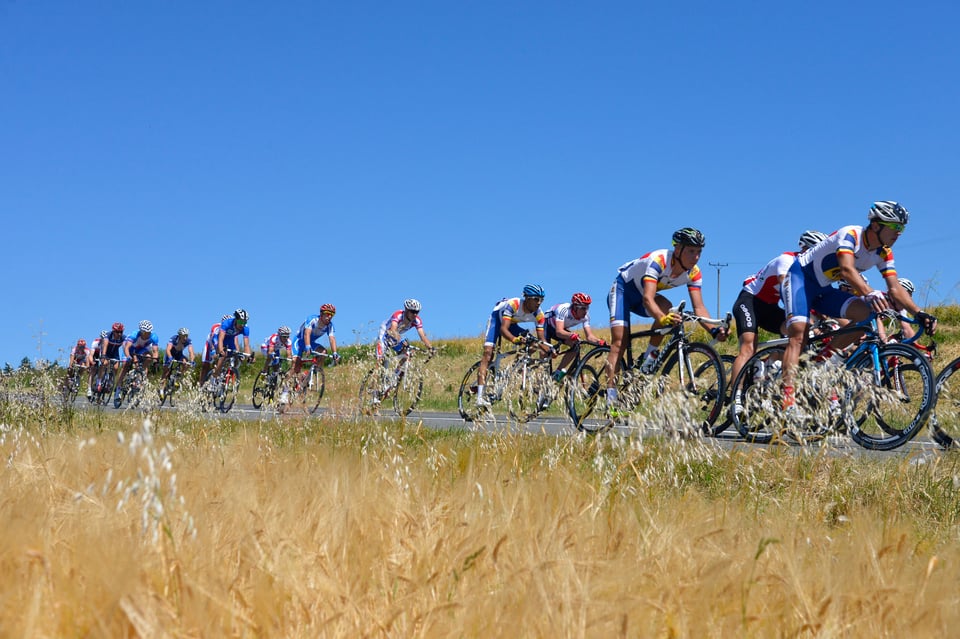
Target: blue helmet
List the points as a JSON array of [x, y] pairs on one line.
[[533, 290]]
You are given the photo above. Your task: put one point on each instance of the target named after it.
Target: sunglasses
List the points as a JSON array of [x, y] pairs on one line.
[[580, 306], [893, 226], [327, 314]]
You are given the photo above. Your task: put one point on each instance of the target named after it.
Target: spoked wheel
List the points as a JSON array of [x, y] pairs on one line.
[[891, 411], [262, 390], [586, 389], [314, 390], [467, 396], [945, 422], [228, 391], [724, 421], [700, 379], [372, 391], [409, 388], [528, 392], [756, 397]]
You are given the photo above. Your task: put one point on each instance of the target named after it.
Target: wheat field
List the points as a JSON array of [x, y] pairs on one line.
[[119, 527]]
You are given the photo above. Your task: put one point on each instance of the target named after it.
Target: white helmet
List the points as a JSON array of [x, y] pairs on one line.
[[809, 239], [888, 211], [907, 285], [146, 326], [411, 305]]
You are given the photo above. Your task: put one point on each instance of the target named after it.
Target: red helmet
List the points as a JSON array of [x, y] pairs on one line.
[[581, 299], [118, 327], [82, 343], [328, 309]]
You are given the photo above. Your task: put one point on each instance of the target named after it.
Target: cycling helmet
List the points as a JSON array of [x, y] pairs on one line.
[[888, 211], [689, 237], [580, 299], [809, 239], [185, 332], [283, 331], [411, 305], [240, 315], [533, 290], [103, 334], [907, 285], [145, 326], [328, 309], [118, 327], [82, 343]]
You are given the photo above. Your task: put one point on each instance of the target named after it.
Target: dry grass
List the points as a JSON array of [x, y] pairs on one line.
[[355, 529]]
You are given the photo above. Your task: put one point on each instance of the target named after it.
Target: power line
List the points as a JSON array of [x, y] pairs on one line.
[[718, 266]]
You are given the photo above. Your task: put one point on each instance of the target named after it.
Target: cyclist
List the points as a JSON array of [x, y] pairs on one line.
[[637, 290], [844, 255], [390, 335], [94, 362], [274, 346], [80, 356], [758, 305], [111, 348], [503, 323], [144, 344], [226, 337], [179, 348], [309, 334], [560, 322], [210, 347]]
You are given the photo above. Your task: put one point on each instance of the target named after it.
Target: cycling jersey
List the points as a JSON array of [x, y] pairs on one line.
[[765, 284], [316, 332], [386, 340], [510, 311], [78, 355], [273, 344], [139, 345], [95, 347], [655, 266], [177, 350], [562, 312], [113, 344]]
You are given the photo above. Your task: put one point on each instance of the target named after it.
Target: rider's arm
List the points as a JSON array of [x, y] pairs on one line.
[[650, 303], [333, 345], [423, 337]]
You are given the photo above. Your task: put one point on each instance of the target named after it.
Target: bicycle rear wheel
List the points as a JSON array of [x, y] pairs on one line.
[[586, 390], [945, 422], [724, 420], [888, 413], [756, 397], [261, 390]]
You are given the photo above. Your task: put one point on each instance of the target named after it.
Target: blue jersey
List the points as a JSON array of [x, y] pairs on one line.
[[316, 331], [230, 329], [140, 344], [177, 346]]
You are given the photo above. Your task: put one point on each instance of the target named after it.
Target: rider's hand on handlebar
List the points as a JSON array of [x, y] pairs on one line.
[[670, 319], [928, 321]]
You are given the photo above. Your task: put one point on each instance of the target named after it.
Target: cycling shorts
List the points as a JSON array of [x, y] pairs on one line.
[[622, 300], [752, 313], [802, 294], [492, 333]]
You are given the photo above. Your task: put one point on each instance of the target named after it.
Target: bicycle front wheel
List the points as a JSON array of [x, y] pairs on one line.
[[756, 397], [313, 393], [697, 382], [527, 390], [371, 391], [408, 391], [886, 408], [261, 390], [945, 421], [467, 396], [228, 394]]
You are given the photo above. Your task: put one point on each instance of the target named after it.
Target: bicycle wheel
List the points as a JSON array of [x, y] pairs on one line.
[[756, 396], [371, 391], [587, 389], [261, 390], [889, 411], [724, 421], [467, 396], [230, 384], [699, 380], [71, 385], [314, 391], [945, 421], [527, 389], [408, 391]]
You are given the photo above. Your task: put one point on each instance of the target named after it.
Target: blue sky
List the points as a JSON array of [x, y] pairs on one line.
[[175, 160]]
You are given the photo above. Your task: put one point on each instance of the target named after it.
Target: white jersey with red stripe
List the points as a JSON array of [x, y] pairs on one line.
[[821, 261], [765, 284], [402, 324], [655, 266], [562, 312]]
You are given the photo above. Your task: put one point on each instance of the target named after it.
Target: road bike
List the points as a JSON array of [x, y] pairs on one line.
[[945, 422], [103, 381], [401, 382], [71, 383], [134, 383], [306, 388], [683, 368], [174, 382], [220, 390], [881, 394], [271, 388]]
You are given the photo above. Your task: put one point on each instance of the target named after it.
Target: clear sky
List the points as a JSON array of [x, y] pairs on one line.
[[175, 160]]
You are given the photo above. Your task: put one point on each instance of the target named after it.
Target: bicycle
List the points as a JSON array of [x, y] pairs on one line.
[[524, 381], [693, 369], [268, 386], [881, 394], [945, 421], [133, 385], [71, 383], [220, 390], [178, 368], [306, 388], [403, 382], [103, 381]]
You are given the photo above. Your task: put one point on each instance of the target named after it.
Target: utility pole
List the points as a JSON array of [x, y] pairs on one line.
[[718, 266]]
